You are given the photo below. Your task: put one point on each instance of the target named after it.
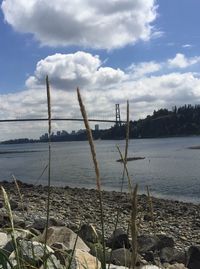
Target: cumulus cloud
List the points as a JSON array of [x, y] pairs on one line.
[[144, 68], [92, 23], [68, 71], [181, 61]]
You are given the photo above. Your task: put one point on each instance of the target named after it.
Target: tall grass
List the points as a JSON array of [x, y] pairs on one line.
[[19, 193], [124, 169], [151, 209], [133, 225], [97, 172], [49, 164], [9, 211], [133, 192]]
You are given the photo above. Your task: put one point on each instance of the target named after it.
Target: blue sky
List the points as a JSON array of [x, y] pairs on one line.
[[143, 50]]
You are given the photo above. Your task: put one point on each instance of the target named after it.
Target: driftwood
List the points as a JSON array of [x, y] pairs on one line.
[[131, 159]]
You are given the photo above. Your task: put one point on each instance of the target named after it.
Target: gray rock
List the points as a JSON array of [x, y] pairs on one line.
[[121, 256], [3, 239], [149, 256], [193, 257], [165, 241], [13, 204], [39, 223], [9, 247], [180, 256], [119, 239], [61, 253], [52, 263], [83, 260], [177, 266], [32, 253], [166, 255], [147, 243], [88, 233], [63, 235], [19, 222]]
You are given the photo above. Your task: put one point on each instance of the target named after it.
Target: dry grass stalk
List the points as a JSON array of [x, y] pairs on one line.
[[126, 145], [19, 192], [134, 226], [126, 169], [127, 132], [49, 164], [48, 104], [96, 166], [123, 175], [90, 139], [9, 211], [151, 209]]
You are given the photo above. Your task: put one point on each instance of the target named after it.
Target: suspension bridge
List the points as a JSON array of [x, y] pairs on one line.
[[117, 120]]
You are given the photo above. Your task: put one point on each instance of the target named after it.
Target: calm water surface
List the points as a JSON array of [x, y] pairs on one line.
[[169, 168]]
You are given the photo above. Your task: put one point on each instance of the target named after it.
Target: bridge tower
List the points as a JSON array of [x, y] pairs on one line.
[[117, 115]]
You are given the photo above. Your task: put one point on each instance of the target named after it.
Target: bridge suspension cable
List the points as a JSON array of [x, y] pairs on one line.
[[57, 119]]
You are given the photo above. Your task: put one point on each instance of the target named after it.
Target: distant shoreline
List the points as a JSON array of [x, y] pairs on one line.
[[32, 141]]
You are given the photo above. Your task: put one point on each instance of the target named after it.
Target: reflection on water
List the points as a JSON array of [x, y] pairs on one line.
[[169, 168]]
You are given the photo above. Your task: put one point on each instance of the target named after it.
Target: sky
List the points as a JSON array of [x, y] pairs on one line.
[[144, 51]]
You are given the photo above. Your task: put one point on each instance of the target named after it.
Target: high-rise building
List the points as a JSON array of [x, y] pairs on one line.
[[96, 127]]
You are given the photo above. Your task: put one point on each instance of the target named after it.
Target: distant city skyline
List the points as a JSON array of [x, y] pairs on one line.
[[146, 51]]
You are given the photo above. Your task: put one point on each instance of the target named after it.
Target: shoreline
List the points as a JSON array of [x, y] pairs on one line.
[[70, 206]]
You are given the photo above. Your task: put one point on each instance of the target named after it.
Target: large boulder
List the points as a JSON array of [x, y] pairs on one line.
[[165, 241], [39, 223], [88, 233], [82, 260], [166, 255], [31, 253], [147, 243], [119, 239], [194, 257], [121, 256], [63, 235]]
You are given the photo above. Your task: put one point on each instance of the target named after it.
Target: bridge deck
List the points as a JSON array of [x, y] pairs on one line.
[[58, 119]]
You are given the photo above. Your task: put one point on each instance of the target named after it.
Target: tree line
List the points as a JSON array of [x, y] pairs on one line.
[[181, 121]]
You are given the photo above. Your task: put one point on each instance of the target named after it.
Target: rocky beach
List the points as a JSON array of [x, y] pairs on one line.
[[177, 223]]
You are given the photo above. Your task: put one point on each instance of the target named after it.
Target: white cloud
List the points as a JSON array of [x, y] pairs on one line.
[[181, 61], [144, 68], [92, 23], [187, 46], [68, 71]]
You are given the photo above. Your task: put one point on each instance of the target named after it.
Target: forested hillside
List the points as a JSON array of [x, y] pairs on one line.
[[181, 121]]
